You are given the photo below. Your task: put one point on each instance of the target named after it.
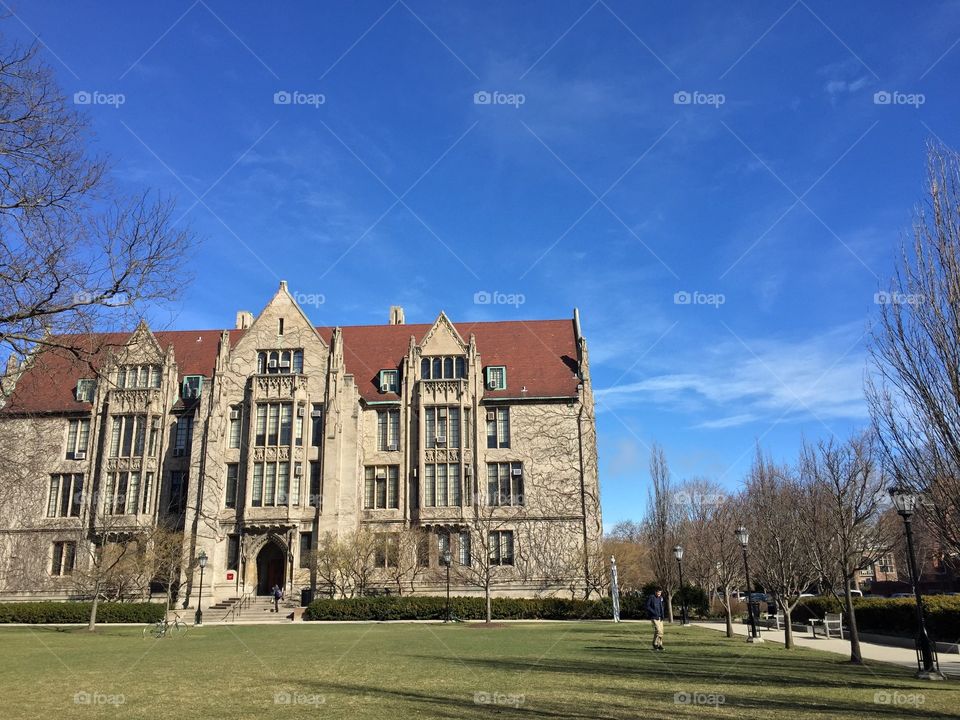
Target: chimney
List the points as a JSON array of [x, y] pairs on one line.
[[396, 315], [244, 319]]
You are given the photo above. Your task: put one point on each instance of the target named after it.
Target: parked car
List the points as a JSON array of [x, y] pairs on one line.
[[902, 595]]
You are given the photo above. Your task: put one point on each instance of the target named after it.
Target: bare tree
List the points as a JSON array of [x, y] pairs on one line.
[[722, 551], [915, 396], [660, 525], [625, 542], [846, 497], [491, 557], [74, 252], [404, 564], [782, 557]]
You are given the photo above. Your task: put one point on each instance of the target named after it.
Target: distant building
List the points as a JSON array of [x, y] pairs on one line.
[[262, 440]]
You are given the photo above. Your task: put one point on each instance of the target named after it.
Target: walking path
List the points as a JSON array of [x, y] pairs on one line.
[[906, 657]]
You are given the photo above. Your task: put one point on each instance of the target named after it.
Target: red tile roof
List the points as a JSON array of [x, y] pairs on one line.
[[540, 355]]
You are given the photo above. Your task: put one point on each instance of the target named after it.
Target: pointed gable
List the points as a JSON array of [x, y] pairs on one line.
[[442, 339]]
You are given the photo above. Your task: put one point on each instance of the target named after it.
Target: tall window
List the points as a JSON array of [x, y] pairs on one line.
[[388, 381], [65, 496], [177, 503], [274, 424], [121, 493], [145, 506], [442, 368], [233, 475], [78, 433], [442, 426], [505, 483], [127, 435], [501, 547], [381, 487], [386, 550], [306, 540], [280, 362], [442, 485], [233, 552], [271, 484], [443, 545], [236, 425], [316, 426], [184, 436], [498, 427], [496, 377], [463, 548], [388, 429], [64, 558], [138, 376], [315, 484]]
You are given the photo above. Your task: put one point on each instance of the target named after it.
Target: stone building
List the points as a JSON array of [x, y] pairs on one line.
[[267, 442]]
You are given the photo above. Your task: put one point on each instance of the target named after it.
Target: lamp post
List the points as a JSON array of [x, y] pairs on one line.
[[202, 562], [743, 537], [906, 503], [678, 554], [446, 560]]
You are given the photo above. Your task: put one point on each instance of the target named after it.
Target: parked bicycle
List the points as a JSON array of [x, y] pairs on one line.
[[165, 627]]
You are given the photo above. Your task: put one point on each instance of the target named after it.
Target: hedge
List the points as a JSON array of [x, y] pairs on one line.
[[891, 616], [79, 612], [425, 607]]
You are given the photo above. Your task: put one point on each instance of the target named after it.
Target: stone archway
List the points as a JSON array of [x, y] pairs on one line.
[[271, 568]]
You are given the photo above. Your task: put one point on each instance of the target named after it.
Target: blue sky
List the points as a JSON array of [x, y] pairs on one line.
[[761, 157]]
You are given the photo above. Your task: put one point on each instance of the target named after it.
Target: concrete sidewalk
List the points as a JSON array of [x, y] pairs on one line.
[[905, 657]]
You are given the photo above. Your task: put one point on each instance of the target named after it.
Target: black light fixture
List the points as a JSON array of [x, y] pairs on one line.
[[446, 560], [202, 562], [678, 554], [743, 537], [928, 667]]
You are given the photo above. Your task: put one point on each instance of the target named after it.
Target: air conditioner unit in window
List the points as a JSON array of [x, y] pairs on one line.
[[316, 413], [272, 363], [299, 412], [297, 470], [491, 414], [80, 455], [234, 414], [441, 440], [381, 474], [441, 412], [516, 471], [384, 387], [491, 384], [392, 447], [284, 365]]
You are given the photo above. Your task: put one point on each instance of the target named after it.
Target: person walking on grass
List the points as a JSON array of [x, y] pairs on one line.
[[655, 611]]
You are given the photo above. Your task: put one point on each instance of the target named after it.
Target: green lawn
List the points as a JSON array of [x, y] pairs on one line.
[[396, 671]]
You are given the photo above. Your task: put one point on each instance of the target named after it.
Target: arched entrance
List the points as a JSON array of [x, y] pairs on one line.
[[271, 568]]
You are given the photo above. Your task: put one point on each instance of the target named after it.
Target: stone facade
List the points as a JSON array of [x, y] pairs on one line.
[[264, 442]]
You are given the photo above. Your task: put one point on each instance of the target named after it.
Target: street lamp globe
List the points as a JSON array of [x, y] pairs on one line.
[[903, 500], [743, 536], [445, 558], [202, 559], [678, 552]]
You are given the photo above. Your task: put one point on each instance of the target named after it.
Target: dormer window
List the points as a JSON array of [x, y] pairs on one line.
[[387, 381], [85, 390], [496, 377], [280, 362], [442, 368], [192, 386]]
